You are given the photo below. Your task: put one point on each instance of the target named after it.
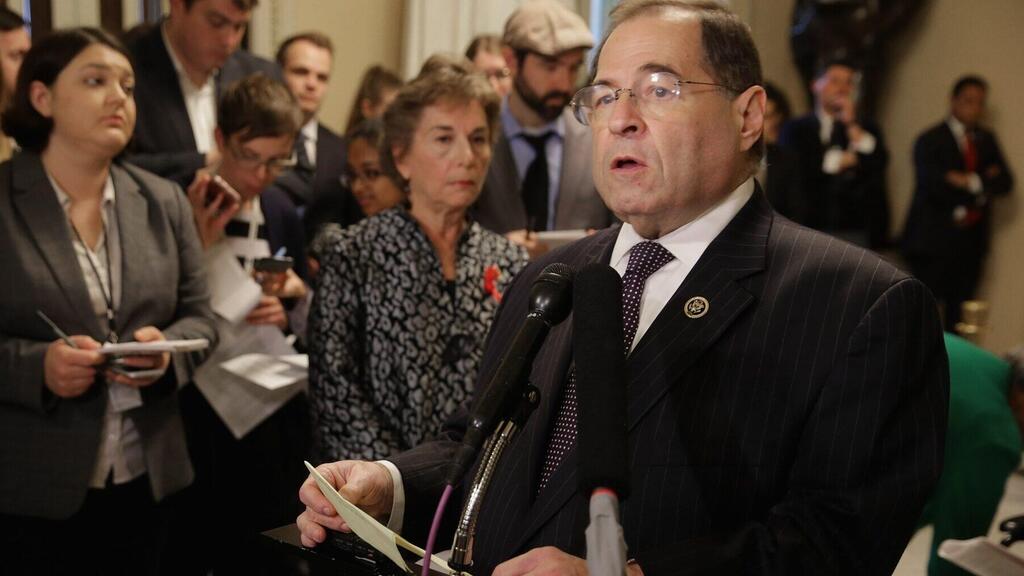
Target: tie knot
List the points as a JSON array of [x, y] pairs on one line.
[[538, 141], [646, 258]]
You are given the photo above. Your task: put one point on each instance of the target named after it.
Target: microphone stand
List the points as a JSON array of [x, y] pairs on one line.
[[462, 549]]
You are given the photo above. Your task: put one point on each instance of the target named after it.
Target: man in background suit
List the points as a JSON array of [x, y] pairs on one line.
[[14, 44], [842, 161], [182, 65], [314, 184], [545, 45], [787, 391], [960, 169]]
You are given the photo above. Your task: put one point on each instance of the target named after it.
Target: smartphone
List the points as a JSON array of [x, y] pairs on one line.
[[217, 188], [138, 374], [273, 264]]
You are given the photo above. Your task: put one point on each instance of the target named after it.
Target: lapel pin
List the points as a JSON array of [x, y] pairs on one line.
[[696, 307]]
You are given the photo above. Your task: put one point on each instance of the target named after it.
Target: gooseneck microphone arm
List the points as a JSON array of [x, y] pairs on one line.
[[506, 403]]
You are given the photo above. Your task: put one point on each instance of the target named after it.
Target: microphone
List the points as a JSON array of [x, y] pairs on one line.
[[601, 412], [550, 303]]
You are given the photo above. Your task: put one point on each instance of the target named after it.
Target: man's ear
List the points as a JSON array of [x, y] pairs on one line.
[[510, 59], [41, 98], [748, 109], [222, 142]]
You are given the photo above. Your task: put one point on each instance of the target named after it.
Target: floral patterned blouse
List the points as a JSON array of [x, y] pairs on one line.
[[394, 348]]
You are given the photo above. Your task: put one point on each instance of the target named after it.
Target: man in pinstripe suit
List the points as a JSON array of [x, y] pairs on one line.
[[787, 391]]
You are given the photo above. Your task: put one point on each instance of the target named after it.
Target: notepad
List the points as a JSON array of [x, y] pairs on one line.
[[377, 535], [156, 347]]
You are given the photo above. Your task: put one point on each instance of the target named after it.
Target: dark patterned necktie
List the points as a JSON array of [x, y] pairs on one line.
[[645, 259], [536, 183]]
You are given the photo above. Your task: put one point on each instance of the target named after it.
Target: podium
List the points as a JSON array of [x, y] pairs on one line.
[[332, 558]]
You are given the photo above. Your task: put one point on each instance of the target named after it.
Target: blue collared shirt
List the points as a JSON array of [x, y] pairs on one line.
[[523, 153]]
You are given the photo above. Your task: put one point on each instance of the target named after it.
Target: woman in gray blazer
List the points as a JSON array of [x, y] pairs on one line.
[[108, 252]]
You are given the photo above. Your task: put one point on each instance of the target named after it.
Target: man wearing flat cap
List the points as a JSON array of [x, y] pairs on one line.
[[540, 174]]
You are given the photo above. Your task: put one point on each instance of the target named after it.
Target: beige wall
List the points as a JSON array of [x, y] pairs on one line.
[[949, 38], [364, 32]]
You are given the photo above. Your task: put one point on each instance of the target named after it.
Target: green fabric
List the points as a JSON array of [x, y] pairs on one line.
[[983, 447]]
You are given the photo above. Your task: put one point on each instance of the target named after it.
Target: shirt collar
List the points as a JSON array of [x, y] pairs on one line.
[[696, 234], [65, 200], [178, 67], [957, 127], [513, 129], [309, 130]]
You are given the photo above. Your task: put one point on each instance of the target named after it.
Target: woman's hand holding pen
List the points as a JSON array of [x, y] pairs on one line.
[[69, 371]]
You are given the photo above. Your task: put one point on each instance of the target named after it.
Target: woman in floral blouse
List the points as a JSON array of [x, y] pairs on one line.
[[406, 297]]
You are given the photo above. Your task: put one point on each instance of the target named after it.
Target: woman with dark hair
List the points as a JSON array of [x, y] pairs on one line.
[[107, 252], [376, 90], [406, 297]]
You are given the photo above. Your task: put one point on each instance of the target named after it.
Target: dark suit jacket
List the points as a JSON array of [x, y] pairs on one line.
[[326, 200], [796, 428], [50, 444], [163, 142], [854, 201], [782, 182], [929, 230], [500, 207], [284, 227]]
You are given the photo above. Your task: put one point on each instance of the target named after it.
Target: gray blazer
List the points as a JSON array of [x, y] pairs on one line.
[[50, 444], [500, 207]]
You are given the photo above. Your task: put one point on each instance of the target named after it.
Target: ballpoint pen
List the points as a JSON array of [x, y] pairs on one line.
[[56, 329]]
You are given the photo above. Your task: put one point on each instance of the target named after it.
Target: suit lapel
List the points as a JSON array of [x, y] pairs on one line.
[[505, 182], [551, 370], [668, 348], [36, 201], [132, 223]]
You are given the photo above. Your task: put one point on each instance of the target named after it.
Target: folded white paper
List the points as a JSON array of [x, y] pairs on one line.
[[233, 292], [270, 372], [241, 404], [983, 557], [371, 531], [157, 347]]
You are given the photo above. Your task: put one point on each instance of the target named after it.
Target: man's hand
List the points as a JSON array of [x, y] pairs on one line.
[[211, 214], [268, 311], [958, 179], [552, 561], [69, 372], [528, 240], [368, 485], [143, 361], [548, 560]]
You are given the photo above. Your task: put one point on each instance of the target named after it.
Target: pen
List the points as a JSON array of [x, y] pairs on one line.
[[60, 333]]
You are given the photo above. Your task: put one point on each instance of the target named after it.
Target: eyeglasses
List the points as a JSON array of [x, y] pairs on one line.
[[250, 161], [369, 176], [498, 73], [657, 96]]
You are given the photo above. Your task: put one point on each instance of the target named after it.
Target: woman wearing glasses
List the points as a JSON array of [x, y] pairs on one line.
[[405, 298], [241, 218], [91, 446]]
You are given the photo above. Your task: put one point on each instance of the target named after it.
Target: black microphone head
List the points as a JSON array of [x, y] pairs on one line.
[[600, 362], [551, 293]]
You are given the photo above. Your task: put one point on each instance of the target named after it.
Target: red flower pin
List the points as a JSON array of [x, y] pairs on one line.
[[491, 275]]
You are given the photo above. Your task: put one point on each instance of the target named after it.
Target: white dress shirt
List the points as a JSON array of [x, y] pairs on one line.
[[974, 183], [687, 243], [309, 132], [200, 101], [120, 446], [832, 160]]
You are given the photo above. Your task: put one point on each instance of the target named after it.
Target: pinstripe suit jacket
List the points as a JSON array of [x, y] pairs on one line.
[[796, 428]]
